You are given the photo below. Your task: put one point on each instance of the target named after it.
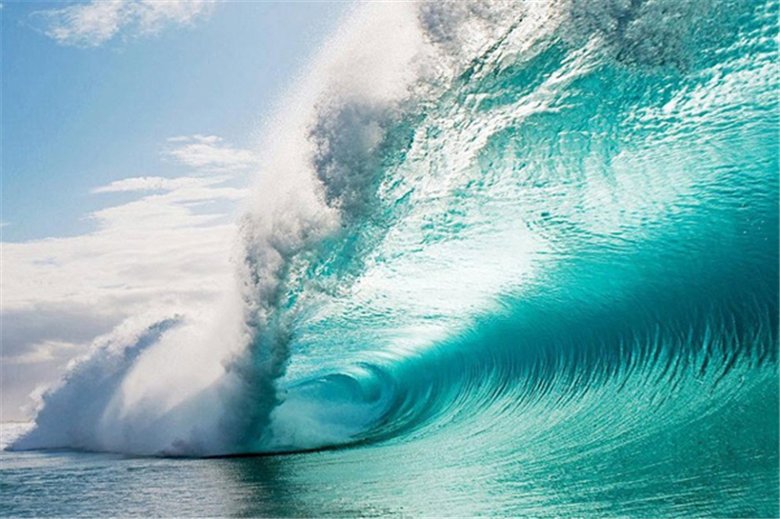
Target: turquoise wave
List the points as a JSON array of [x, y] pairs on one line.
[[626, 195]]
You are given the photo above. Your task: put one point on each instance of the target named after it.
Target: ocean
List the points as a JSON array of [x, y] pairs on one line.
[[505, 258]]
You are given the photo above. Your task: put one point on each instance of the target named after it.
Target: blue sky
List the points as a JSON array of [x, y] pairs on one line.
[[130, 133], [76, 117]]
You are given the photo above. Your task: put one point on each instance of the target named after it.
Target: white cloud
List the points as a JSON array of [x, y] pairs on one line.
[[45, 351], [209, 152], [156, 247], [145, 184], [172, 209], [94, 23]]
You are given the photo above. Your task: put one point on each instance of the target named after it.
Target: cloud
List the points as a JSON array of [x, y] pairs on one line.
[[167, 250], [146, 184], [209, 152], [43, 352], [155, 247], [94, 23], [60, 321], [36, 344]]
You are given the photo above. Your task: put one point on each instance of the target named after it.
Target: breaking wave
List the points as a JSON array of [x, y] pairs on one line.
[[525, 231]]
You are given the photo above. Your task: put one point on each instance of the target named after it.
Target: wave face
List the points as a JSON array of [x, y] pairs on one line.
[[532, 244]]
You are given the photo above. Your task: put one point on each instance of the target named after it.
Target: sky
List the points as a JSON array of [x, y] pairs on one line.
[[130, 134]]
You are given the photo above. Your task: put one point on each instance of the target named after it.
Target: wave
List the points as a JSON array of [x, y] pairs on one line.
[[537, 230]]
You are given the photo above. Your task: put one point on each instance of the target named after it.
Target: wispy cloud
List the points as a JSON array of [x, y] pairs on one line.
[[94, 23], [209, 152], [152, 249], [147, 184]]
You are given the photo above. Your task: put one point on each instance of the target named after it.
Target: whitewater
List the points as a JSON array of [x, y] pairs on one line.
[[501, 257]]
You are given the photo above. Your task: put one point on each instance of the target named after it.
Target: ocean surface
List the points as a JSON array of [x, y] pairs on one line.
[[514, 259]]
